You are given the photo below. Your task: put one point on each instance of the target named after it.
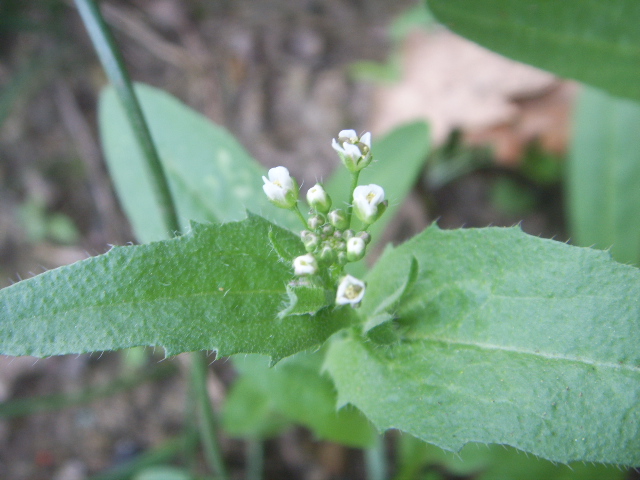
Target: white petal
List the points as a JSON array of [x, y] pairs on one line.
[[350, 291], [281, 176], [274, 192], [336, 146], [347, 134], [366, 139], [305, 265], [352, 151], [355, 245]]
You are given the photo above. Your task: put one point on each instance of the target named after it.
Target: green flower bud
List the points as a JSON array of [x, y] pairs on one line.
[[310, 240], [315, 222], [338, 218], [327, 254], [366, 236]]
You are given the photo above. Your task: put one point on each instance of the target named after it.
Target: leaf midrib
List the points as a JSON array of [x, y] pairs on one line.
[[158, 299], [523, 351]]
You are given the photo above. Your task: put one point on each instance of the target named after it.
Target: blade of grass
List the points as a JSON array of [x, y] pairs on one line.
[[46, 403], [113, 64]]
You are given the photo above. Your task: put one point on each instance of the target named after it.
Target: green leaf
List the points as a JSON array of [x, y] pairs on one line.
[[604, 175], [220, 287], [503, 338], [294, 389], [398, 158], [594, 42], [492, 462], [211, 176]]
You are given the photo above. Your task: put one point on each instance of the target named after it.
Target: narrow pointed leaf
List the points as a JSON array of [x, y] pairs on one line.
[[604, 175], [220, 287], [211, 176], [594, 42], [503, 338]]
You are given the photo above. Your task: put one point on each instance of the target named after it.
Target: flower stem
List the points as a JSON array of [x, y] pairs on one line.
[[206, 418], [296, 209], [354, 184]]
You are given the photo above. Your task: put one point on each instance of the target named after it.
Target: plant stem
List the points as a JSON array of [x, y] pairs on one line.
[[255, 459], [206, 417], [296, 209], [375, 460], [113, 64], [354, 184]]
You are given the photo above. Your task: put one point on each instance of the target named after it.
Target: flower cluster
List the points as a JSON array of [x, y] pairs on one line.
[[328, 238]]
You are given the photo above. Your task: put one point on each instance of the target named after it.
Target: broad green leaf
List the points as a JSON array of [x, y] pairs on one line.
[[295, 390], [220, 287], [502, 338], [604, 175], [398, 160], [492, 462], [212, 177], [591, 41]]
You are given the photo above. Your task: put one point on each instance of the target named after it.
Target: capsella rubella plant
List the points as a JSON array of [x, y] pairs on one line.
[[473, 335]]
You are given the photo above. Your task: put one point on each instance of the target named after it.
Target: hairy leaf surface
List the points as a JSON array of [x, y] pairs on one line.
[[604, 175], [502, 338], [220, 287], [588, 40], [211, 176]]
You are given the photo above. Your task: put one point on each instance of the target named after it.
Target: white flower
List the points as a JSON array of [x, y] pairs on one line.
[[355, 249], [281, 188], [350, 291], [368, 202], [354, 151], [318, 198], [305, 265]]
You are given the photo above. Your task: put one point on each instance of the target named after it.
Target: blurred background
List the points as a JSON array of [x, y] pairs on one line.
[[284, 77]]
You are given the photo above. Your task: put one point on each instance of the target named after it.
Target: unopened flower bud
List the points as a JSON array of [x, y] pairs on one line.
[[347, 234], [281, 189], [354, 151], [338, 218], [315, 222], [305, 265], [342, 258], [355, 249], [319, 199], [310, 240], [327, 254], [328, 230], [350, 291], [369, 203], [366, 236]]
